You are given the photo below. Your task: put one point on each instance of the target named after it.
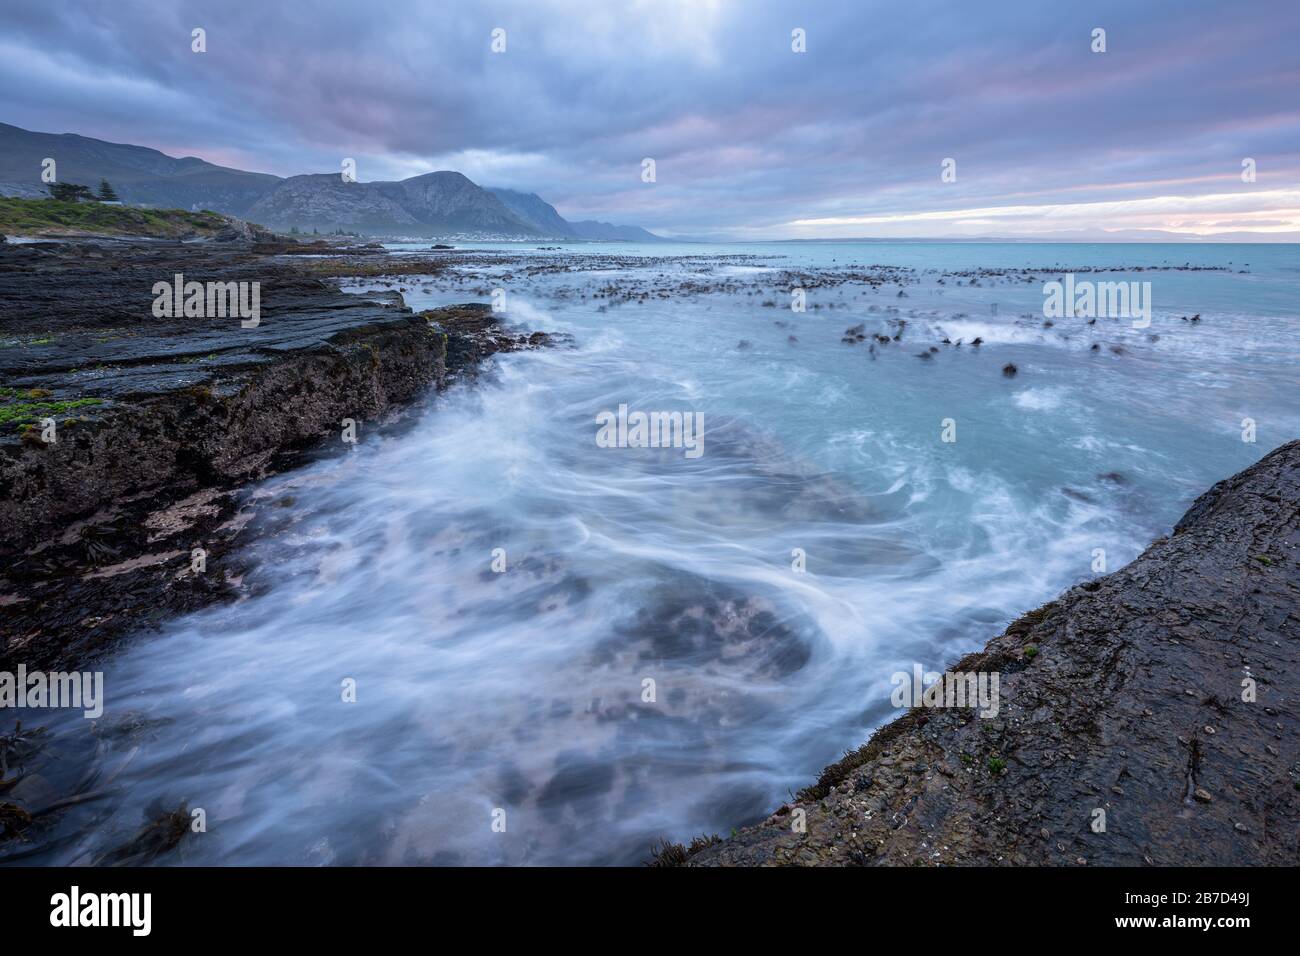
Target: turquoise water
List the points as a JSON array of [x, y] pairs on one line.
[[525, 691]]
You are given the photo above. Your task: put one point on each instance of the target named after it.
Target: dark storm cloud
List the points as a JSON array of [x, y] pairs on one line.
[[748, 136]]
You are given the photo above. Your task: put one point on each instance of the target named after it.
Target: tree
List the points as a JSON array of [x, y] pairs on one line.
[[70, 192], [106, 192]]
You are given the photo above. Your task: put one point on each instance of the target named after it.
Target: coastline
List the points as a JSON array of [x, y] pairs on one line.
[[161, 423], [1125, 704], [1130, 703]]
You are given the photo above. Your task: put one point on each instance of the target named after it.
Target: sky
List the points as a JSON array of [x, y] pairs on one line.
[[750, 139]]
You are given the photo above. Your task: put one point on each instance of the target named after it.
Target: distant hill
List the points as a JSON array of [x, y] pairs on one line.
[[140, 175], [542, 216], [591, 229], [434, 204], [536, 212]]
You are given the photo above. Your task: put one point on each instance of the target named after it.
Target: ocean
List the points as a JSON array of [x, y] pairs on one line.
[[564, 650]]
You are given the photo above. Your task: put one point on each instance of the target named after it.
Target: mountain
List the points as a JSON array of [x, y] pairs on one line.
[[590, 229], [318, 199], [434, 204], [452, 202], [140, 175], [536, 212], [542, 216]]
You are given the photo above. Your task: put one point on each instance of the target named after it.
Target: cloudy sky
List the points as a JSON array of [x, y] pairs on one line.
[[750, 139]]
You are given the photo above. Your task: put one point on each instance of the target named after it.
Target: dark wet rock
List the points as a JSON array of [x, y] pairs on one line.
[[1109, 712], [163, 832], [240, 230], [161, 420], [473, 333], [577, 787], [701, 623], [16, 748], [13, 820], [1010, 370]]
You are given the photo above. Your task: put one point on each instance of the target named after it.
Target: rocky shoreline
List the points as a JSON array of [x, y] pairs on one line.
[[160, 422], [1125, 697], [1147, 717]]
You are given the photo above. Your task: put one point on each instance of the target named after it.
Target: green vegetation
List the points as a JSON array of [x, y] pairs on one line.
[[35, 216], [24, 414], [70, 192], [997, 765], [1264, 559], [8, 394], [1031, 651], [674, 854]]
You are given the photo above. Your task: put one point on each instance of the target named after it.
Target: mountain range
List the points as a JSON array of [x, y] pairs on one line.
[[432, 205]]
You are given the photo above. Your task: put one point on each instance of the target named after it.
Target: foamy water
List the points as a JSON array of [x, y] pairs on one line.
[[521, 696]]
